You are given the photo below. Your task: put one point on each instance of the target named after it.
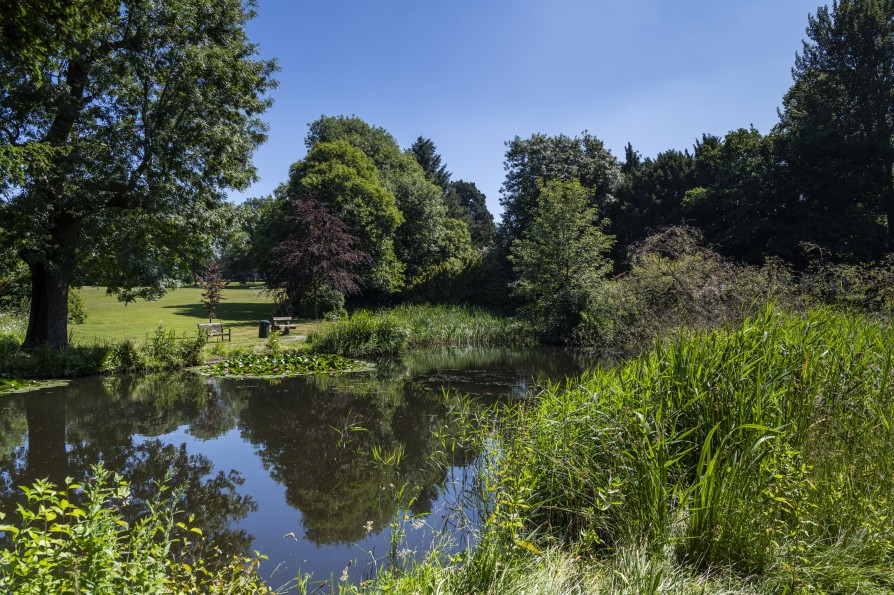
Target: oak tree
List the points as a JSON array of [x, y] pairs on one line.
[[119, 136]]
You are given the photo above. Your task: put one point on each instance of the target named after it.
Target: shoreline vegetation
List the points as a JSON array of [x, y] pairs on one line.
[[751, 458]]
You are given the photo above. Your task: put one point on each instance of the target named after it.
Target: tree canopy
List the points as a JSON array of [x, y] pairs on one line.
[[142, 114]]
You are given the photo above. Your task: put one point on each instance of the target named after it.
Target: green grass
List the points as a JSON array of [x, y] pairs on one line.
[[179, 310]]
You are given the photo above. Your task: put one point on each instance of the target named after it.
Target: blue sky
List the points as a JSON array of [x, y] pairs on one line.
[[471, 75]]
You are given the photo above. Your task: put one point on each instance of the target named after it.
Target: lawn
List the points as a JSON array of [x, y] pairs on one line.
[[179, 310]]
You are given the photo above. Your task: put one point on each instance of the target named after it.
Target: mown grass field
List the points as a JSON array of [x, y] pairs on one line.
[[179, 310]]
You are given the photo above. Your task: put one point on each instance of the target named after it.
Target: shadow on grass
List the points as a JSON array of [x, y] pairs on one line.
[[231, 312]]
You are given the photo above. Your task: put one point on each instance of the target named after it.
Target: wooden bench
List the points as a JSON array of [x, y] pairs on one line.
[[283, 323], [216, 329]]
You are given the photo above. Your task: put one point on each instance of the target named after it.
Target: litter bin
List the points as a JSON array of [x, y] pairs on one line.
[[263, 329]]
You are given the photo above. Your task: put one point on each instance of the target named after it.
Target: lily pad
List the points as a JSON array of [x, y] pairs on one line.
[[10, 386], [289, 363]]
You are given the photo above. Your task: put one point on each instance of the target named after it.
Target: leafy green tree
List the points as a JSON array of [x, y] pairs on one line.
[[837, 123], [650, 195], [543, 158], [147, 111], [744, 207], [560, 260], [341, 177], [419, 240], [235, 242]]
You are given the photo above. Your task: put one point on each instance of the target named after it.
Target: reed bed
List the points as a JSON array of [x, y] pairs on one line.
[[754, 459], [366, 333]]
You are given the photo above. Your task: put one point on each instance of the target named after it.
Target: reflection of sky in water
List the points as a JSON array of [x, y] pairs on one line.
[[282, 439]]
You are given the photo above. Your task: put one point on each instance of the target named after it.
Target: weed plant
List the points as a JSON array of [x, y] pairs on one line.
[[74, 540]]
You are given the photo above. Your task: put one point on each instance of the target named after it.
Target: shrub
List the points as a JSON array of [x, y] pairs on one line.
[[75, 540], [77, 311]]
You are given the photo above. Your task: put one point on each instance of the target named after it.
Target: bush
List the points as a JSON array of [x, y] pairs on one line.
[[77, 311], [75, 540]]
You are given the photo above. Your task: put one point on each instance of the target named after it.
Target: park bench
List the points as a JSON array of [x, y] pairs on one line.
[[215, 329], [283, 323]]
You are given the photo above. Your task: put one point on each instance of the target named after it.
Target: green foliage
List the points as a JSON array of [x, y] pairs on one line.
[[345, 180], [531, 163], [76, 539], [837, 126], [162, 350], [283, 363], [77, 311], [727, 447], [419, 241], [360, 334], [139, 116], [560, 260], [391, 331]]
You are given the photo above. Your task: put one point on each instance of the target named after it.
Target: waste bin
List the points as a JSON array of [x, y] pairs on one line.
[[263, 329]]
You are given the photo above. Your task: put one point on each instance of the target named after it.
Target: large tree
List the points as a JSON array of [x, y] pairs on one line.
[[343, 179], [542, 158], [419, 240], [838, 125], [118, 138]]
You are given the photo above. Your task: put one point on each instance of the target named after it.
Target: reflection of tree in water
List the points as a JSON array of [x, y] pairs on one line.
[[100, 420], [317, 436]]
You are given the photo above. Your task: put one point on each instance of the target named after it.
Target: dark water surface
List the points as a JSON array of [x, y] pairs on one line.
[[309, 471]]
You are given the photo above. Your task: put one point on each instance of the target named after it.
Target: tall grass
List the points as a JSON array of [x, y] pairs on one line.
[[752, 459], [391, 331], [767, 450]]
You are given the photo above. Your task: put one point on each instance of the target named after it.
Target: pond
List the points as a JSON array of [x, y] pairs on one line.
[[309, 471]]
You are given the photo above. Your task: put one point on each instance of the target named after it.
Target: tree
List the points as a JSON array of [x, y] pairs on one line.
[[141, 115], [560, 260], [214, 284], [319, 257], [341, 177], [837, 123], [419, 238], [426, 154], [583, 158], [466, 203]]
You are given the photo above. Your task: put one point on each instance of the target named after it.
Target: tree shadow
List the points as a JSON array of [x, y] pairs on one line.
[[231, 311]]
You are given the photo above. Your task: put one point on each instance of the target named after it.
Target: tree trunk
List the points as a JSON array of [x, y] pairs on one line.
[[48, 321]]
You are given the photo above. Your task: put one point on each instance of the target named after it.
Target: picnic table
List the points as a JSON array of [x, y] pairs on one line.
[[283, 323], [215, 329]]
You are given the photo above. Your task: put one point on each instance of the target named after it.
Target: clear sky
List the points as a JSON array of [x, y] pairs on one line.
[[472, 74]]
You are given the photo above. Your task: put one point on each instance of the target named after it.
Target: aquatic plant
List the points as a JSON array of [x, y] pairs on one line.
[[283, 363]]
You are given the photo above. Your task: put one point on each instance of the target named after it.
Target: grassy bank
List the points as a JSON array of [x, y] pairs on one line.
[[180, 310], [390, 331], [752, 460]]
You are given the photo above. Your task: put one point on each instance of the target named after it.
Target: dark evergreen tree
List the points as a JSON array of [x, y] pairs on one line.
[[837, 125], [466, 203], [429, 160]]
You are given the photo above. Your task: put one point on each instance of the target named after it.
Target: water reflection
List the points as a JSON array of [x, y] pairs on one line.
[[338, 455]]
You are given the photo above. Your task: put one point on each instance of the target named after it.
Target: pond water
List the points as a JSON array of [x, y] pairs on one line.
[[308, 471]]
